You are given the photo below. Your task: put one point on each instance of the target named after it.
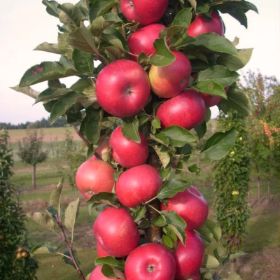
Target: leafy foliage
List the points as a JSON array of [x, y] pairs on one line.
[[15, 259]]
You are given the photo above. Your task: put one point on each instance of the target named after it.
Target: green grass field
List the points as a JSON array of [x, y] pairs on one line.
[[263, 227]]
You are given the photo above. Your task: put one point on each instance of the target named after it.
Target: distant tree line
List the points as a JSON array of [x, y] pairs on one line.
[[61, 122]]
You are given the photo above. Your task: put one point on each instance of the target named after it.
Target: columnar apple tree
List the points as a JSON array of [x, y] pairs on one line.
[[147, 73]]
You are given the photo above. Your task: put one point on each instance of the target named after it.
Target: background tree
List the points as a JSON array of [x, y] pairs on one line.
[[30, 151], [15, 260]]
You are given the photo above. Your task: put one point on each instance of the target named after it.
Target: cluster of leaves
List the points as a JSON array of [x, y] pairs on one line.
[[15, 260], [231, 182]]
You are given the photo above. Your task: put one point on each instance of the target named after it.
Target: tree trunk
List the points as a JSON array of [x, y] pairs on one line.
[[34, 176]]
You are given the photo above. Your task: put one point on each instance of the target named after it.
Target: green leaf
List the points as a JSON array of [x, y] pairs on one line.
[[71, 214], [193, 3], [27, 90], [163, 155], [48, 47], [211, 262], [91, 125], [83, 62], [103, 198], [218, 74], [171, 188], [218, 146], [183, 17], [46, 71], [214, 42], [236, 62], [163, 55], [201, 130], [177, 136], [168, 242], [194, 168], [52, 94], [100, 7], [155, 124], [211, 87], [237, 101], [176, 224], [130, 129], [111, 261], [55, 196], [51, 7], [71, 14], [62, 105], [139, 214]]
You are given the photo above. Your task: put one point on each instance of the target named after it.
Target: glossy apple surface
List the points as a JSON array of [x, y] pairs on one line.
[[138, 185], [203, 24], [97, 274], [122, 88], [189, 257], [115, 230], [186, 110], [143, 11], [169, 81], [150, 261], [100, 252], [94, 176], [126, 152], [142, 40], [190, 205]]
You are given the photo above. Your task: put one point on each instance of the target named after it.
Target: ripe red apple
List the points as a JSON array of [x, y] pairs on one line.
[[97, 274], [186, 110], [150, 261], [190, 205], [122, 88], [126, 152], [169, 81], [116, 232], [137, 185], [189, 257], [94, 176], [142, 40], [203, 24], [100, 252], [211, 100], [143, 11]]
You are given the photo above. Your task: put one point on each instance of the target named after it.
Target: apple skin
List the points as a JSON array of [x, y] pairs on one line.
[[143, 11], [186, 110], [138, 185], [126, 152], [211, 100], [150, 261], [100, 252], [189, 257], [116, 232], [142, 40], [94, 176], [169, 81], [202, 25], [189, 205], [97, 274], [122, 88]]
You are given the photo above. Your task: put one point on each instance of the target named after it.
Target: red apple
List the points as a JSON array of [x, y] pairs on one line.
[[94, 176], [142, 40], [150, 261], [186, 110], [190, 205], [122, 88], [138, 185], [203, 24], [169, 81], [116, 232], [143, 11], [189, 257], [211, 100], [100, 252], [126, 152], [97, 274]]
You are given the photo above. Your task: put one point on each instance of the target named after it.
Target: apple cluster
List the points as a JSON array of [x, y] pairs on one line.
[[123, 89]]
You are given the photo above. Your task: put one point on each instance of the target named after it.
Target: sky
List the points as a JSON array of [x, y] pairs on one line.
[[25, 24]]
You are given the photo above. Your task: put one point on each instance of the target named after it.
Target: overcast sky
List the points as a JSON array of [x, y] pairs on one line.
[[25, 24]]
